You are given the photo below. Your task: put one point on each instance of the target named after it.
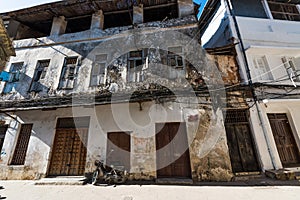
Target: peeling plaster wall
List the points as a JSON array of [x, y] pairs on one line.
[[82, 44], [208, 150], [228, 67]]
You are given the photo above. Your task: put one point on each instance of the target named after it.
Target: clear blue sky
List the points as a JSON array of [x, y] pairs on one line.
[[9, 5]]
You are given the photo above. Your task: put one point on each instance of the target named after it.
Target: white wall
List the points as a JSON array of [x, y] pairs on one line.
[[269, 32], [292, 109], [276, 67]]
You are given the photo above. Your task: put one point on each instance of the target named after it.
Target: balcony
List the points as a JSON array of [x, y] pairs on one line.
[[269, 32]]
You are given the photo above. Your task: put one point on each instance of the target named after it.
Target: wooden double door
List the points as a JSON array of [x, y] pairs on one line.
[[69, 152], [172, 152], [285, 142], [239, 141]]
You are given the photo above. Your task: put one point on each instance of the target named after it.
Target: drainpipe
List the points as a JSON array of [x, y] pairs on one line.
[[259, 113]]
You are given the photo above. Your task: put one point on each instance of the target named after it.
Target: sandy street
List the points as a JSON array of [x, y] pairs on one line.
[[27, 190]]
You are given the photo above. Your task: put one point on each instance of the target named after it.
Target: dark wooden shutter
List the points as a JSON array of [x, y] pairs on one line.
[[119, 142], [172, 152]]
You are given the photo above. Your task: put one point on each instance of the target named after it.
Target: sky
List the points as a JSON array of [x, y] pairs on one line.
[[10, 5]]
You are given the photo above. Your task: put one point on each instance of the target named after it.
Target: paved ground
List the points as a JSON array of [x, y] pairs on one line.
[[27, 190]]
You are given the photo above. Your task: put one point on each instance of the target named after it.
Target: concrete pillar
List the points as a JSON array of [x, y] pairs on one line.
[[97, 20], [185, 8], [138, 14], [59, 25]]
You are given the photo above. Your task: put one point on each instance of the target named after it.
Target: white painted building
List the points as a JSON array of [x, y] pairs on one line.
[[266, 36]]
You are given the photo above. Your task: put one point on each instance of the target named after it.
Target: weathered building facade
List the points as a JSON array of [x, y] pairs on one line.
[[265, 35], [95, 76]]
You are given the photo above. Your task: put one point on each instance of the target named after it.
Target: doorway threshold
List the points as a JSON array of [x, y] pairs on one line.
[[62, 180], [175, 181]]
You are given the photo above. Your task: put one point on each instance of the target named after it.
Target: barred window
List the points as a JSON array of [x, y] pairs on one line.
[[22, 145]]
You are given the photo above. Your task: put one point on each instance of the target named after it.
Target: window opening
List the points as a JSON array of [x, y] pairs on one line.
[[22, 145], [14, 77], [261, 68], [68, 73], [78, 24], [136, 59], [98, 70], [290, 68], [39, 74], [176, 61], [162, 13], [118, 19]]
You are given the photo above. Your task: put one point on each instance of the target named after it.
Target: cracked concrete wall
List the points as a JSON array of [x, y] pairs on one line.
[[209, 151], [56, 48]]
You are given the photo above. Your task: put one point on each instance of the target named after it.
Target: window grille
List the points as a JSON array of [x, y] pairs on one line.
[[236, 116], [22, 145]]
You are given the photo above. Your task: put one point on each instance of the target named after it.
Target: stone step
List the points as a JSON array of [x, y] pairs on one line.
[[180, 181], [297, 175], [281, 174], [62, 180], [245, 176]]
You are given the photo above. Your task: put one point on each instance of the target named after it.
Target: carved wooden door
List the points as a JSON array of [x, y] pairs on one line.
[[69, 152], [285, 142], [240, 143]]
